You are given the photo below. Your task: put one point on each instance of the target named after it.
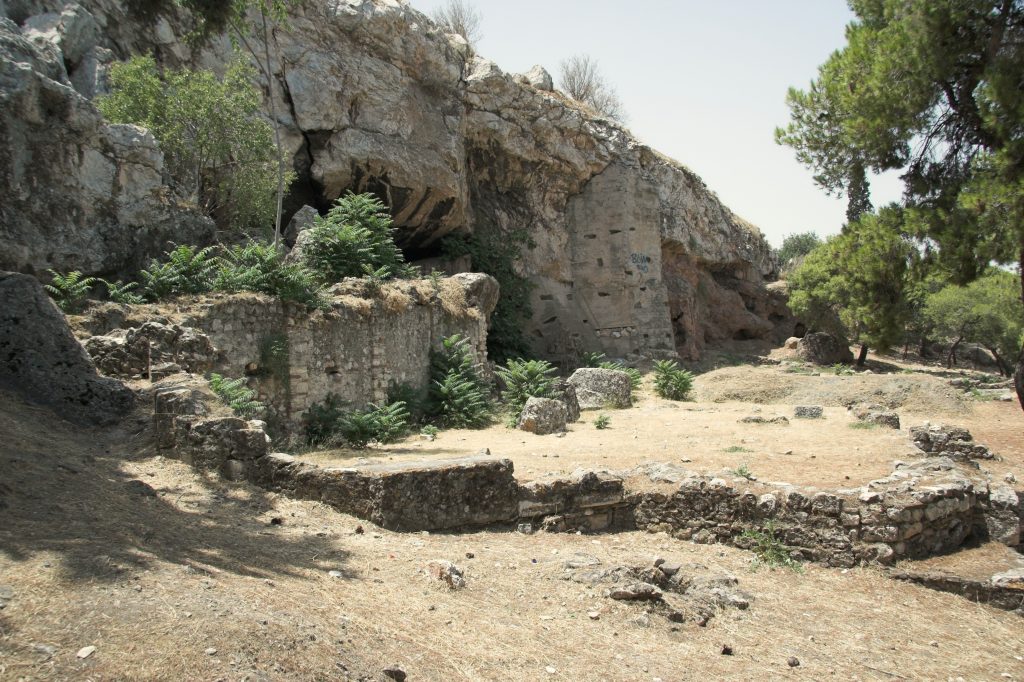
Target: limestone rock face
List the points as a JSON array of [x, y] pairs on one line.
[[78, 194], [598, 388], [631, 252], [39, 356]]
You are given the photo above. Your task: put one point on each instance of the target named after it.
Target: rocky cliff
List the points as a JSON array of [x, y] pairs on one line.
[[629, 250]]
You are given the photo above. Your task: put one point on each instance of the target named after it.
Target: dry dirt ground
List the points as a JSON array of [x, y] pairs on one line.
[[173, 575], [707, 436]]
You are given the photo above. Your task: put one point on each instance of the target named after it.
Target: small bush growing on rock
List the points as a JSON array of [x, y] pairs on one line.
[[525, 379], [670, 381], [354, 239], [187, 270], [70, 291], [260, 267], [236, 395], [768, 548], [459, 395], [121, 292]]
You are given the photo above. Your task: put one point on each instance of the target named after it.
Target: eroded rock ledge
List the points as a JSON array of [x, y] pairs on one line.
[[632, 252]]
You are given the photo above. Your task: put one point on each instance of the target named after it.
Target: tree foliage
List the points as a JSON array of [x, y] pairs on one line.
[[459, 395], [986, 311], [855, 283], [217, 150], [932, 88], [797, 246], [525, 379], [580, 78]]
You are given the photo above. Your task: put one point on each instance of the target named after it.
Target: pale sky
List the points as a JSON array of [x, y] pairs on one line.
[[702, 81]]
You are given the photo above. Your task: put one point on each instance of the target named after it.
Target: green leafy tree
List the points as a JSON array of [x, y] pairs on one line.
[[260, 267], [859, 280], [797, 246], [186, 270], [932, 88], [237, 395], [986, 311], [217, 150], [459, 395]]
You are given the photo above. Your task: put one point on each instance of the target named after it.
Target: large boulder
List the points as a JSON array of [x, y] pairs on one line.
[[78, 193], [564, 392], [602, 388], [542, 416], [40, 357], [821, 348]]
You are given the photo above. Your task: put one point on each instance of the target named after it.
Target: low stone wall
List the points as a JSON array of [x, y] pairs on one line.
[[368, 340], [927, 507]]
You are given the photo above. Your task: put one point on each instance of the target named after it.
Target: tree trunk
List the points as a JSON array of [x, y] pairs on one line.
[[1018, 377], [277, 128], [863, 356], [922, 350], [951, 355]]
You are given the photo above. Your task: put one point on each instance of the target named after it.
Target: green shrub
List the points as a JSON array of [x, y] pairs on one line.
[[525, 379], [260, 267], [328, 422], [495, 253], [320, 421], [430, 430], [768, 548], [121, 292], [743, 471], [670, 381], [354, 239], [235, 394], [415, 400], [186, 270], [69, 291], [459, 397], [602, 421], [218, 150]]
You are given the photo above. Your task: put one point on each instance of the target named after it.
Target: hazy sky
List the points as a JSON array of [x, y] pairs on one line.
[[701, 80]]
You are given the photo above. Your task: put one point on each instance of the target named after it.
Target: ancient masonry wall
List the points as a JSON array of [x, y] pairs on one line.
[[363, 344], [928, 507]]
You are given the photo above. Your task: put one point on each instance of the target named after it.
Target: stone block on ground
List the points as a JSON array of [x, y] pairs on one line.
[[823, 349], [542, 416], [563, 391], [950, 441], [873, 414], [807, 412], [602, 388]]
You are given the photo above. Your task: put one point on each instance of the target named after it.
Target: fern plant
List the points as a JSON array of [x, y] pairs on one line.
[[459, 396], [236, 395], [260, 267], [186, 270], [123, 292], [320, 421], [355, 238], [670, 381], [69, 291], [525, 379]]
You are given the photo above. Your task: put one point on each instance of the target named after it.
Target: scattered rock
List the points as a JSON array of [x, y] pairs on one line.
[[542, 416], [211, 651], [636, 592], [757, 419], [335, 574], [395, 673], [593, 615], [874, 414], [565, 393], [821, 348], [726, 650], [793, 662], [86, 652], [525, 528], [948, 441], [602, 388], [6, 595], [791, 343], [359, 530], [550, 670], [807, 411], [446, 572]]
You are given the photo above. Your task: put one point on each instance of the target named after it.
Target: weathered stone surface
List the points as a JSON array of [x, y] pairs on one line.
[[601, 388], [408, 496], [40, 357], [874, 414], [564, 392], [949, 441], [360, 347], [823, 349], [301, 220], [78, 194], [807, 411], [140, 351], [373, 96], [542, 416]]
